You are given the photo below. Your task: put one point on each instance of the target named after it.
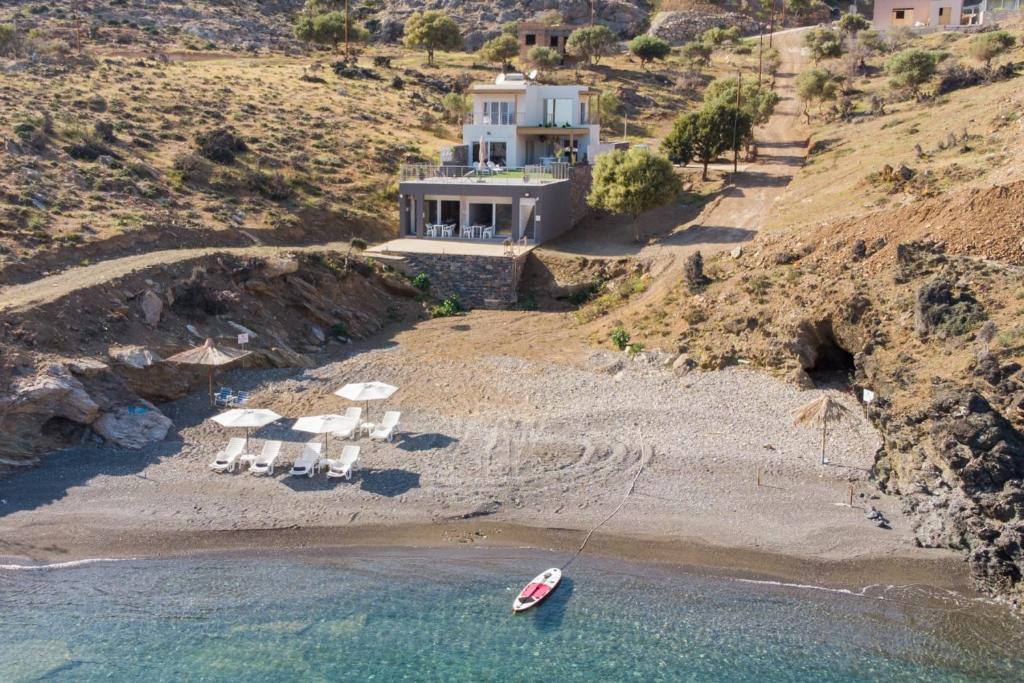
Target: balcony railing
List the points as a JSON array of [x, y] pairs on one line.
[[436, 173]]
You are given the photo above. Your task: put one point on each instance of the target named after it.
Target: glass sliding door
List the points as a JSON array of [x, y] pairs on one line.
[[503, 220]]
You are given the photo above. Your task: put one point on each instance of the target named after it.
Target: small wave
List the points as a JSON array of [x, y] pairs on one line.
[[58, 565], [862, 593]]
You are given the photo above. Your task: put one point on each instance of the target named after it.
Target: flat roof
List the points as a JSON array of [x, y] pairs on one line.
[[437, 245]]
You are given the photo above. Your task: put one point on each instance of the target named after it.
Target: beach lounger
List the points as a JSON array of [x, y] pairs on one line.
[[343, 466], [240, 398], [264, 464], [223, 397], [386, 428], [227, 459], [308, 462]]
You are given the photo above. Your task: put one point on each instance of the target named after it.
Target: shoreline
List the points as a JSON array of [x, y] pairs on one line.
[[942, 570]]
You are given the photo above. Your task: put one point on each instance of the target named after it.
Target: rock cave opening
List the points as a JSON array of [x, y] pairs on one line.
[[832, 363], [62, 431]]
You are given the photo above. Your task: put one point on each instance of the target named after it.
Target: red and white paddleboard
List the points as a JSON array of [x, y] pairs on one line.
[[537, 590]]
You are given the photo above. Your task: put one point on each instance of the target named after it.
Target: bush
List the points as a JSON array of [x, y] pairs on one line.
[[448, 308], [823, 43], [220, 145], [543, 58], [697, 55], [620, 338], [193, 168], [272, 186], [649, 48], [988, 46], [591, 43], [104, 131], [911, 69], [89, 148], [693, 272], [421, 282]]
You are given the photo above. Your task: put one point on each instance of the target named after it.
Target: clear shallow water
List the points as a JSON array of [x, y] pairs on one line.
[[364, 616]]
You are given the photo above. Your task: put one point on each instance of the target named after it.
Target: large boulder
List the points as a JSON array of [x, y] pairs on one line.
[[146, 373], [55, 393], [133, 426]]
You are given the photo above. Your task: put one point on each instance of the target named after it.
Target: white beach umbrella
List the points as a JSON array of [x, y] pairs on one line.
[[248, 418], [366, 391], [324, 424]]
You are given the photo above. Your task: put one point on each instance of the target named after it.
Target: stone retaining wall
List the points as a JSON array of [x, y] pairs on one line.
[[580, 179], [477, 281], [682, 27]]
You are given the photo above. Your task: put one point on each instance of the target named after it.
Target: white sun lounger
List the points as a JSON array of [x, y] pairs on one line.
[[343, 466], [308, 462], [385, 429], [264, 464], [227, 459], [354, 416]]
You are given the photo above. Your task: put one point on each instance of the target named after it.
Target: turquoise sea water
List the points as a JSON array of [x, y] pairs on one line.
[[444, 616]]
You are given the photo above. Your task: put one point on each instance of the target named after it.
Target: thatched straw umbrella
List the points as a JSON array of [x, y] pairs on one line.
[[824, 410], [209, 355]]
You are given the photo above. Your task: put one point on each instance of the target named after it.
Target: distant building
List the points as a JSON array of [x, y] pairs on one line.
[[535, 34], [917, 13]]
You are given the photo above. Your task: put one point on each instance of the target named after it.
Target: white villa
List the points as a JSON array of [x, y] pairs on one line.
[[521, 173], [522, 122]]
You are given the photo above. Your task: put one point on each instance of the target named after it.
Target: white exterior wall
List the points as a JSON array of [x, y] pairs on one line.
[[925, 12]]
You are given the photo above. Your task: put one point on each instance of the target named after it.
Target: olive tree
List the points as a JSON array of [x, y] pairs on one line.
[[697, 55], [543, 58], [431, 31], [649, 48], [501, 49], [851, 24], [988, 46], [704, 135], [822, 43], [912, 68], [591, 43], [759, 103], [632, 183], [816, 85]]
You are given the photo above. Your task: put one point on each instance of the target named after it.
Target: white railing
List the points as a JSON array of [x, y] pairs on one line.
[[438, 173]]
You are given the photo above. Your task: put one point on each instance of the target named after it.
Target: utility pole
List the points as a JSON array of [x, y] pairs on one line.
[[771, 25], [347, 53], [760, 51], [592, 12], [736, 122]]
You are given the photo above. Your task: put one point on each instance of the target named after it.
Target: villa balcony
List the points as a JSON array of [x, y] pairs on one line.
[[527, 175]]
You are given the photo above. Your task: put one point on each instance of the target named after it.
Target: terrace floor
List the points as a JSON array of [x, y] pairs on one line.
[[456, 247]]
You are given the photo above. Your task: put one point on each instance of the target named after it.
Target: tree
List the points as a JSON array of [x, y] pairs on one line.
[[818, 85], [543, 58], [609, 108], [501, 49], [705, 134], [759, 103], [697, 55], [591, 43], [632, 183], [822, 43], [988, 46], [714, 36], [456, 106], [851, 24], [911, 69], [432, 31], [800, 8], [10, 40], [329, 29], [304, 29], [510, 28], [649, 48], [772, 60], [550, 18], [871, 42]]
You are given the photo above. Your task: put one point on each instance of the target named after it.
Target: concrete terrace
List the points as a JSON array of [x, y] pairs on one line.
[[452, 247]]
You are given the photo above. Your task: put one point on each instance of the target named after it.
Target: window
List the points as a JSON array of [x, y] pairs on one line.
[[531, 39], [499, 114], [900, 13], [558, 112], [583, 114], [554, 41]]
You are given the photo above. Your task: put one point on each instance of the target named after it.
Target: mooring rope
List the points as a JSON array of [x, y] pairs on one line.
[[632, 485]]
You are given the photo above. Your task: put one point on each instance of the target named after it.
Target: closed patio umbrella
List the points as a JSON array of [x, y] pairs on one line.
[[210, 355], [248, 418], [365, 392], [324, 424]]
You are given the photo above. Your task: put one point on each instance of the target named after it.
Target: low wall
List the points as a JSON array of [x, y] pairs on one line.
[[581, 178], [477, 281]]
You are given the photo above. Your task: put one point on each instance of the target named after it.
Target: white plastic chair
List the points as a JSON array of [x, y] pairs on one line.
[[488, 232], [386, 428], [227, 459], [264, 464], [309, 461], [345, 465], [447, 230]]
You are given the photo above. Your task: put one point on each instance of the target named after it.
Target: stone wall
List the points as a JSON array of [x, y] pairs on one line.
[[477, 281], [580, 179], [682, 27]]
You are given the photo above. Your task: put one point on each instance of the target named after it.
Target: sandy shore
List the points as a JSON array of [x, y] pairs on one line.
[[503, 443]]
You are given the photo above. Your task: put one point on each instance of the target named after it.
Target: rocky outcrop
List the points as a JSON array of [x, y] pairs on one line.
[[682, 27], [482, 20], [133, 426]]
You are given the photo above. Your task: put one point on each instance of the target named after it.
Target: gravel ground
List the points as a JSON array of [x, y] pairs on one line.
[[510, 437]]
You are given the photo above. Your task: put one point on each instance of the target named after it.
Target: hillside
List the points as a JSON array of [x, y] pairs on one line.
[[907, 285]]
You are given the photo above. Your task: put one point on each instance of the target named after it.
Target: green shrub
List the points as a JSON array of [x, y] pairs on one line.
[[421, 282], [449, 307], [339, 331], [620, 337]]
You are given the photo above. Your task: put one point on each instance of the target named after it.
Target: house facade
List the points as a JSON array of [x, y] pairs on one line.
[[535, 34], [918, 13], [519, 174]]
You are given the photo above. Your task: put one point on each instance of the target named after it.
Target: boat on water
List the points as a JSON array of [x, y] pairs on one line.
[[539, 588]]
